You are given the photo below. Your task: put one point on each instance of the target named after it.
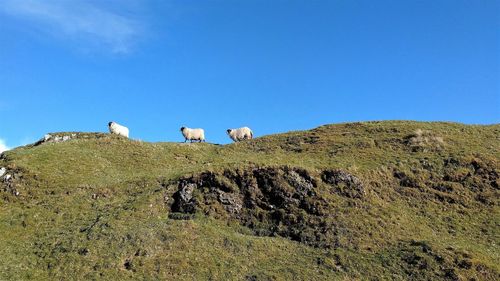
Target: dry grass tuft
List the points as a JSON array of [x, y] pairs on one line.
[[424, 140]]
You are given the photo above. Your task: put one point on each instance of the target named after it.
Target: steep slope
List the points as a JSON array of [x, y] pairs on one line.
[[396, 200]]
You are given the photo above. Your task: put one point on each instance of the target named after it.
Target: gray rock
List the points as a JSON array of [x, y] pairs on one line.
[[183, 199], [48, 138], [231, 201], [343, 183], [186, 193], [303, 185]]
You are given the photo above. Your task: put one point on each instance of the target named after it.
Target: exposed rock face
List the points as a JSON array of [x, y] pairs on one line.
[[297, 203], [63, 137], [271, 201], [301, 180], [343, 183], [55, 138], [7, 179], [184, 202], [232, 202]]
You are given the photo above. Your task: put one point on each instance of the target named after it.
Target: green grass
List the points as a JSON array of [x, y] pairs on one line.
[[97, 207]]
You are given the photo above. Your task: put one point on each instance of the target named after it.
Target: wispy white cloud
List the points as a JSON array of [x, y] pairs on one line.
[[91, 22], [3, 146]]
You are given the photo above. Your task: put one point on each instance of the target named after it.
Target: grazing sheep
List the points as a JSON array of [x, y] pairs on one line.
[[240, 134], [115, 128], [193, 134]]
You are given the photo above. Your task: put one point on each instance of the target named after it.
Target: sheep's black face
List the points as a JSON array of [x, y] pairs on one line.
[[109, 124], [182, 128], [228, 131]]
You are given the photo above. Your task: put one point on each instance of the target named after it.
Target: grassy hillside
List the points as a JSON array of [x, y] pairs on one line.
[[373, 200]]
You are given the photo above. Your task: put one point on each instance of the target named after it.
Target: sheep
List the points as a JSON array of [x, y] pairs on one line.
[[193, 134], [240, 134], [115, 128]]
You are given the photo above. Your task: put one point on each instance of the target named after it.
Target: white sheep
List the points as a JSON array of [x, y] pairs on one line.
[[115, 128], [240, 134], [193, 134]]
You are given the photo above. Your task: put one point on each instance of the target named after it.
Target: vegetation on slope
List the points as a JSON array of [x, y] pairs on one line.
[[393, 200]]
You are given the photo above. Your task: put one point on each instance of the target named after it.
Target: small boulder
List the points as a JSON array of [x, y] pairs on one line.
[[184, 201], [7, 178]]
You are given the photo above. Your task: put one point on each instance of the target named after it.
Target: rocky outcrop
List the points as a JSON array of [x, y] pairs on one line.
[[54, 138], [63, 137], [271, 201], [8, 179], [343, 183]]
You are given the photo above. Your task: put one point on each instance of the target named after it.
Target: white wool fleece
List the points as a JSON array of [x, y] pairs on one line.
[[117, 129], [193, 134], [240, 134]]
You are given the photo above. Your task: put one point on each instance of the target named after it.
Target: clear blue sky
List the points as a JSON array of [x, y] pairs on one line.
[[272, 65]]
